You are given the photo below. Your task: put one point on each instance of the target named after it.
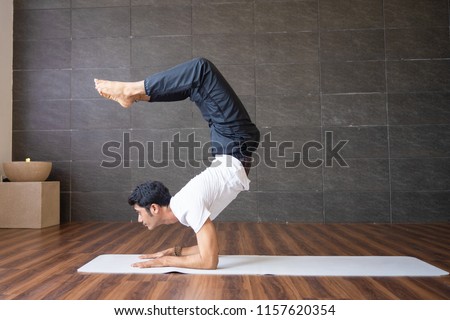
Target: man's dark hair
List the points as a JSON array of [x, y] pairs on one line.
[[148, 193]]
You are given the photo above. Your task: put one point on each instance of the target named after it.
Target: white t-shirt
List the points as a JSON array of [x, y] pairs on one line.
[[208, 193]]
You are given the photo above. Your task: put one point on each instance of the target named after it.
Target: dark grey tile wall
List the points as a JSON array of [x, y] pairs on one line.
[[374, 73]]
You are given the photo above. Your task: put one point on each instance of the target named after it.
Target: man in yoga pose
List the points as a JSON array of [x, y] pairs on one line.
[[233, 139]]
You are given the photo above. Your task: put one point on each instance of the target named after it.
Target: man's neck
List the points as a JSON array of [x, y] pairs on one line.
[[169, 216]]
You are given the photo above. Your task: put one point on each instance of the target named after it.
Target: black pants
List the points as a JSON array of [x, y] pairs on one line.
[[232, 131]]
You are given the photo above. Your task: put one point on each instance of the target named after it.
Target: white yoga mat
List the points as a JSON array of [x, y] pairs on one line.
[[351, 266]]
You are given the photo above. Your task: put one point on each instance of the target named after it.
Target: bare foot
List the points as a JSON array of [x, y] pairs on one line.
[[125, 93]]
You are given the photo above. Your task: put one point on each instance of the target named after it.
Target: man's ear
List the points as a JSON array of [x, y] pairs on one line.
[[154, 209]]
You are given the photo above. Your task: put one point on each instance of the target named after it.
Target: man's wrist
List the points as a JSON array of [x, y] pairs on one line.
[[177, 251]]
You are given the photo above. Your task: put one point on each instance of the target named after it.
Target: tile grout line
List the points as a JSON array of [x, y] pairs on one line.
[[387, 114], [70, 115], [321, 110], [255, 100]]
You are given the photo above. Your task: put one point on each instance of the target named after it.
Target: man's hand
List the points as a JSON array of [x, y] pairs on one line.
[[152, 263], [156, 259], [167, 252]]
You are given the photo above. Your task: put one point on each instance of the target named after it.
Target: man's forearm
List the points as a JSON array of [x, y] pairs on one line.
[[194, 261], [188, 251]]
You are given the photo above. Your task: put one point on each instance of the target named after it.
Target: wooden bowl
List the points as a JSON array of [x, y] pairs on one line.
[[21, 171]]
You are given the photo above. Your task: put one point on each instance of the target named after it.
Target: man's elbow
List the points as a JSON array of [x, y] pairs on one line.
[[211, 263]]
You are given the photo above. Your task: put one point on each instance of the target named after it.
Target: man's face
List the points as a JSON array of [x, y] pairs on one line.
[[144, 217]]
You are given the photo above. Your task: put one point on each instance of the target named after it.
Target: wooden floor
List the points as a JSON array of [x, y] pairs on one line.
[[42, 264]]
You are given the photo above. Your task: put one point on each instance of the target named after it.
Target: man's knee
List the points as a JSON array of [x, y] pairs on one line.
[[203, 62]]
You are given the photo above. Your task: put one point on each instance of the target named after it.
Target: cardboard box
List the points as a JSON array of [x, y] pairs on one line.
[[29, 204]]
